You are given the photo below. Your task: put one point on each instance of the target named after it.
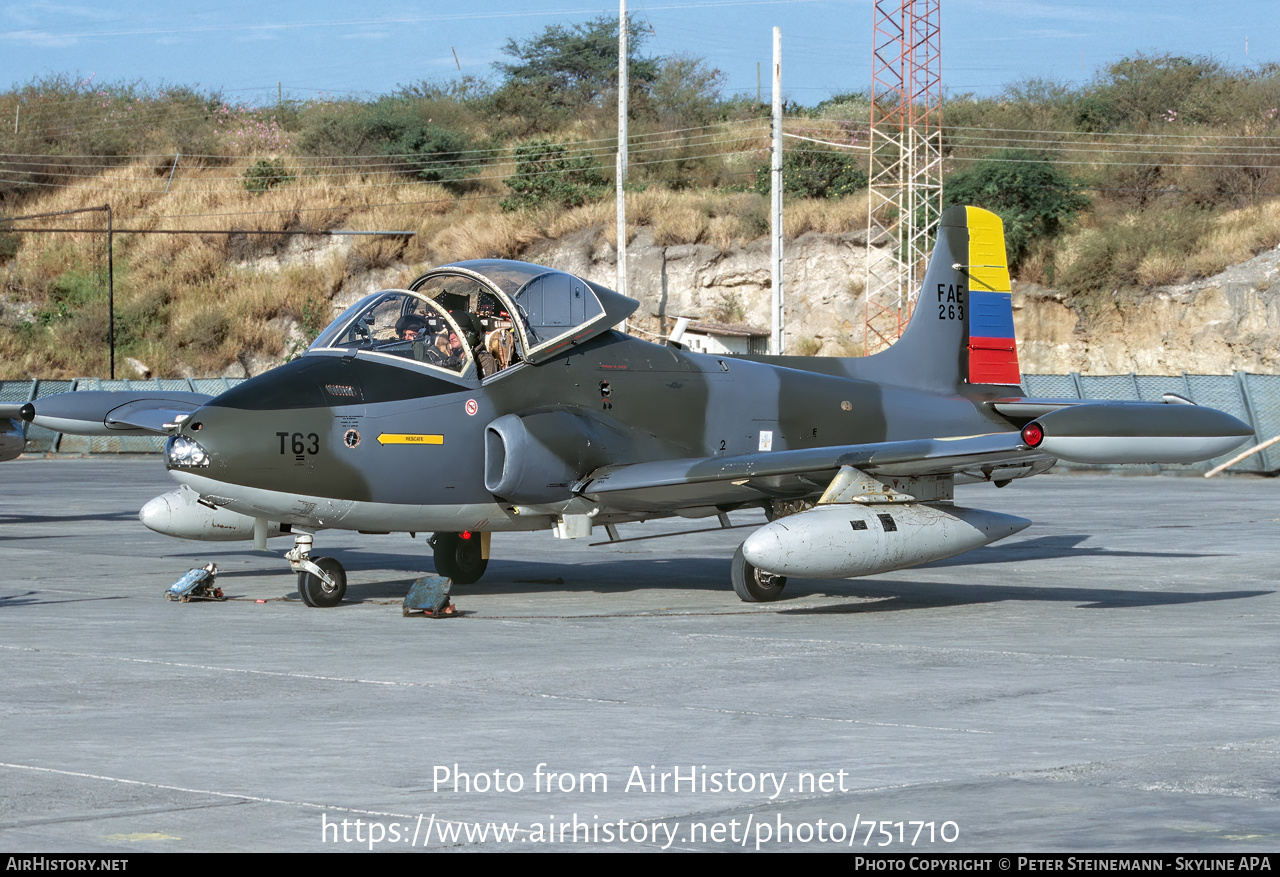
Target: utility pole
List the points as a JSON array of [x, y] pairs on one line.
[[777, 328], [111, 289], [622, 148]]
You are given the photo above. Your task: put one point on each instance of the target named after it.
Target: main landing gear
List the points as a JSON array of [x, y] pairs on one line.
[[322, 582], [754, 585], [461, 557]]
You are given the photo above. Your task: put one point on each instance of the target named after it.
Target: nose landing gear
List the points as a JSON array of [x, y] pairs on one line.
[[322, 582]]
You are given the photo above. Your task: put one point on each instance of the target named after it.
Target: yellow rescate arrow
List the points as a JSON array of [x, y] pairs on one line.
[[400, 438]]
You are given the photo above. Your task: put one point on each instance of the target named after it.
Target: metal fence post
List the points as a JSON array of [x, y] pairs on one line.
[[1264, 455]]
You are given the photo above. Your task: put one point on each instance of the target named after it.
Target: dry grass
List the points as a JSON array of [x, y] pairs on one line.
[[1241, 234], [1160, 269], [476, 234], [826, 217], [194, 303], [1036, 264]]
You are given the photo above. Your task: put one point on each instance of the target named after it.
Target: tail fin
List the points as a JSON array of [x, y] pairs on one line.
[[993, 349], [961, 331]]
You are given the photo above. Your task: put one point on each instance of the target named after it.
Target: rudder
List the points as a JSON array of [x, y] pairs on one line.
[[993, 349], [961, 331]]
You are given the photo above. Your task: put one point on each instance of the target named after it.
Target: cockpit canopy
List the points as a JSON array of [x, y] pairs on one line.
[[399, 323], [485, 315]]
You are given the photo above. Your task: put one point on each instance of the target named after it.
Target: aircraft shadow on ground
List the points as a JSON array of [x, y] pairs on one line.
[[709, 574], [1045, 547], [13, 520], [34, 598], [898, 596]]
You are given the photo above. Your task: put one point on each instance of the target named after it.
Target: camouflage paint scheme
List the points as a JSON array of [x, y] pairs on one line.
[[596, 427], [663, 404]]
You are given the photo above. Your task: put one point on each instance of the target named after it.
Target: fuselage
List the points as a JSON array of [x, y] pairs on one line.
[[380, 443]]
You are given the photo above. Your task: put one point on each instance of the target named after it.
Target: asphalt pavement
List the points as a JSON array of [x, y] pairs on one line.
[[1106, 680]]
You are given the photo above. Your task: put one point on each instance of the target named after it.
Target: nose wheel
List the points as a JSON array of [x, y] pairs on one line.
[[460, 559], [322, 582], [317, 592]]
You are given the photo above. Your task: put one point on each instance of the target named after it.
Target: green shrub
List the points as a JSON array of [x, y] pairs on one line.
[[431, 153], [686, 92], [1147, 90], [266, 174], [1033, 197], [141, 315], [816, 172], [550, 174], [399, 132]]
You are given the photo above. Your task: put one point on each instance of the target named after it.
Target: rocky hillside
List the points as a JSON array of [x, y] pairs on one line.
[[1224, 323]]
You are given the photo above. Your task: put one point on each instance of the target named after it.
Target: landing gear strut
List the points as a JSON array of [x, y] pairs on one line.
[[460, 556], [322, 582], [754, 585]]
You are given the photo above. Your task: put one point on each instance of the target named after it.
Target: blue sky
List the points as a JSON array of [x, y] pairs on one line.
[[322, 47]]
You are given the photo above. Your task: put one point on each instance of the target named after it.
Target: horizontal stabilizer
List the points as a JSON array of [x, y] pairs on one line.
[[1137, 432]]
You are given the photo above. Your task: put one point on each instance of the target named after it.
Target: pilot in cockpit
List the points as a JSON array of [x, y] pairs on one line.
[[449, 351], [411, 327]]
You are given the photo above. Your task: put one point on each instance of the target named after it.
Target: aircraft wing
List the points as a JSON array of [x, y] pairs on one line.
[[107, 412], [664, 484], [1093, 432]]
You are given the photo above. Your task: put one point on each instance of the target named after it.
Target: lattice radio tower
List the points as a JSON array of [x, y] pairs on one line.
[[906, 160]]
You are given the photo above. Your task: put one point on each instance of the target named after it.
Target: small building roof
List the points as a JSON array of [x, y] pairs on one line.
[[733, 330]]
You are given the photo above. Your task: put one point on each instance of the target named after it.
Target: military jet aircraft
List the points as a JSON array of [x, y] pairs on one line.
[[494, 395]]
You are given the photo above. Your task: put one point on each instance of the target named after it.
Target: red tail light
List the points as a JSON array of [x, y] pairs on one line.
[[465, 534], [1032, 434]]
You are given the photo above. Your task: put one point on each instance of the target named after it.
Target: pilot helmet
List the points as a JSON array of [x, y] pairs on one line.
[[411, 323]]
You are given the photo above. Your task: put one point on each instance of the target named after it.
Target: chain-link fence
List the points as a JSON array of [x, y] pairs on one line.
[[1255, 399]]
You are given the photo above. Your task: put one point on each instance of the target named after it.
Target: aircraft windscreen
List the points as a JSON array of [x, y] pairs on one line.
[[400, 324]]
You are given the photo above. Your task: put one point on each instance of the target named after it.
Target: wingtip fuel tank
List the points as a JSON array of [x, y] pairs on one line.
[[181, 514], [849, 540]]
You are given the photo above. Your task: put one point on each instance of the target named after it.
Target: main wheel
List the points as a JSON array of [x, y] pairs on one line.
[[754, 585], [458, 559], [315, 592]]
